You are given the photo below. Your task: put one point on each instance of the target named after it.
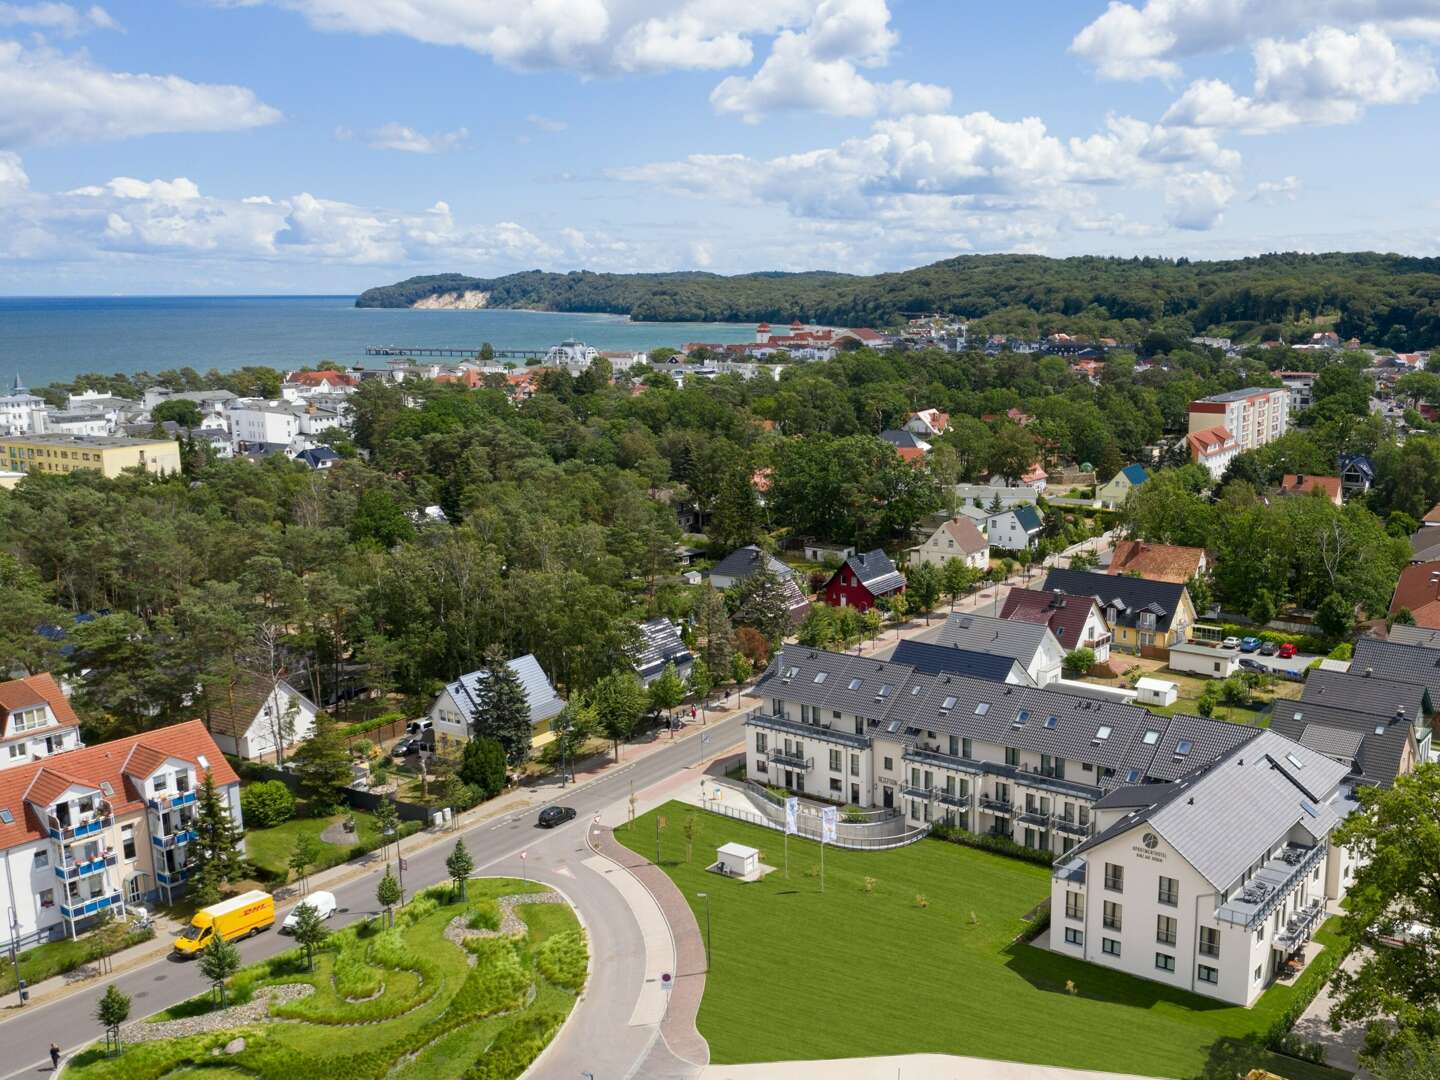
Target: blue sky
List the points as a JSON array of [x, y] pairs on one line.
[[220, 146]]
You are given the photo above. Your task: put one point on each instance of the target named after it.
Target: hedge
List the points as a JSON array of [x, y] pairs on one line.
[[1000, 845], [360, 727], [563, 959], [267, 803], [1279, 1037], [1303, 642]]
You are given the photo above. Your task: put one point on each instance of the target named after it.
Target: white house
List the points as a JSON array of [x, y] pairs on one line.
[[1015, 529], [1209, 660], [1214, 448], [1214, 882], [36, 720], [571, 355], [928, 423], [260, 721], [957, 538], [661, 645], [454, 710], [1030, 644], [18, 409]]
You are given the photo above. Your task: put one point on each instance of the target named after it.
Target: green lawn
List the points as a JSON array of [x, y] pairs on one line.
[[926, 960], [42, 962], [434, 1016], [270, 849]]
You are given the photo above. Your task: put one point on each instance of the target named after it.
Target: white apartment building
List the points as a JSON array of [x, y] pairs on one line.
[[986, 756], [256, 423], [1213, 449], [104, 827], [1212, 883], [35, 720], [1301, 385], [1255, 415], [18, 409]]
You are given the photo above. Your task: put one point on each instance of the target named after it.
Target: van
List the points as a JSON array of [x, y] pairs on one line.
[[238, 917], [419, 727]]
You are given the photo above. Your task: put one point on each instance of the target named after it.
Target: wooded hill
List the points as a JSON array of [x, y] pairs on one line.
[[1389, 300]]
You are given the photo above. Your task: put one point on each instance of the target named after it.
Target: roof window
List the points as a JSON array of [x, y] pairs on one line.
[[1051, 721], [1133, 776], [948, 704], [1103, 732], [1152, 737], [1294, 760], [855, 683], [820, 676], [1020, 718], [107, 788], [982, 708], [1183, 747], [6, 817]]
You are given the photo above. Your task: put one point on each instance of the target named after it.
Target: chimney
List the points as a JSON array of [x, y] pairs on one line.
[[1369, 671]]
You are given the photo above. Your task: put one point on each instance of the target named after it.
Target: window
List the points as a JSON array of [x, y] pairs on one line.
[[854, 764], [47, 898], [954, 746], [835, 784], [1102, 733], [889, 764], [161, 782], [1207, 974], [1152, 737], [760, 742], [762, 767], [820, 676], [1183, 747], [982, 708], [1110, 946], [1073, 936], [1165, 929], [836, 761], [948, 704], [855, 683], [1112, 918], [127, 841], [1169, 891], [1164, 961], [1114, 877], [17, 750], [1012, 756], [966, 749], [42, 859], [1259, 971], [1075, 906], [1209, 941]]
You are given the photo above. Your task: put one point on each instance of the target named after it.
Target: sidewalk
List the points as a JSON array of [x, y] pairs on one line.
[[903, 1067]]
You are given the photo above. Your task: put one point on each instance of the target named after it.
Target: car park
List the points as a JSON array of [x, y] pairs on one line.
[[1230, 643], [555, 815], [323, 902], [1268, 648], [1249, 644], [1286, 651]]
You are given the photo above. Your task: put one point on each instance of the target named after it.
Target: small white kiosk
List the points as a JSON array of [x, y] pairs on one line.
[[737, 860]]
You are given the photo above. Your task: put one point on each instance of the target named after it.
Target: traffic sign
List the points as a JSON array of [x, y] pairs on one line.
[[666, 982]]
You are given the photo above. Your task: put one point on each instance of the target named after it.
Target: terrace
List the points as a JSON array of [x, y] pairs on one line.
[[1269, 886]]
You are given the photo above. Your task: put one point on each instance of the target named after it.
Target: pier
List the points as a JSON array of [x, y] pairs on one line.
[[454, 352]]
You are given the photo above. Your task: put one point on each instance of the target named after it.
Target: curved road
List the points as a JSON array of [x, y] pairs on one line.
[[599, 1037]]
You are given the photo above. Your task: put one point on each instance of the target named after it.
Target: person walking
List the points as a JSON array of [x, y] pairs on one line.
[[54, 1057]]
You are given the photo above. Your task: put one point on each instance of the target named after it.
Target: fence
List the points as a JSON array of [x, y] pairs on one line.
[[809, 829], [354, 797], [380, 734], [865, 817]]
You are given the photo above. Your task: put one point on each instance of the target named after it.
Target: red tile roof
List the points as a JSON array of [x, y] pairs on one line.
[[1158, 562], [1209, 442], [33, 690], [1064, 615], [1298, 484], [321, 378], [1418, 591]]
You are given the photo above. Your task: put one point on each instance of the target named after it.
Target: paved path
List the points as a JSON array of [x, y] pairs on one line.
[[1342, 1048], [904, 1067]]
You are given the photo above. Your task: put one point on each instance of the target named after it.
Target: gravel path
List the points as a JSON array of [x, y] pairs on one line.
[[257, 1008], [511, 925]]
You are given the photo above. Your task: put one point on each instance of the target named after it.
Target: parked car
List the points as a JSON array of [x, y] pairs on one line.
[[413, 744], [323, 903], [1268, 648], [555, 815], [1249, 644], [1230, 643], [1248, 664], [1286, 651]]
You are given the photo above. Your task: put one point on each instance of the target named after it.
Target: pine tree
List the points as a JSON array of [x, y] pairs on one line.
[[310, 932], [323, 764], [763, 603], [482, 764], [387, 894], [502, 711], [215, 859], [459, 865], [714, 630]]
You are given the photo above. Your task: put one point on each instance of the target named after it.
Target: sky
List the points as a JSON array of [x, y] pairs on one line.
[[323, 146]]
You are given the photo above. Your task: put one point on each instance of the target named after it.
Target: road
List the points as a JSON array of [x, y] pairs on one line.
[[599, 1039]]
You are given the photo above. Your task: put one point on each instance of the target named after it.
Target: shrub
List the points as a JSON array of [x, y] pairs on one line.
[[563, 959], [1000, 845], [1279, 1037], [498, 981], [355, 977], [484, 915], [360, 727], [267, 804], [515, 1048]]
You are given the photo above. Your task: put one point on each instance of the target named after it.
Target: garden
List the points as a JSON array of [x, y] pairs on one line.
[[939, 965], [471, 986]]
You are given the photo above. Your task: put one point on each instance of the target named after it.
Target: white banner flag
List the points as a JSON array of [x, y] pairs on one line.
[[829, 819], [792, 813]]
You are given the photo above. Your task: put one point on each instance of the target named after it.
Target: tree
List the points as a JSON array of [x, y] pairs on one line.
[[702, 683], [482, 763], [218, 961], [304, 855], [502, 712], [387, 893], [738, 516], [181, 411], [1209, 698], [459, 865], [740, 669], [267, 803], [667, 691], [713, 629], [1262, 607], [753, 645], [870, 624], [619, 705], [1197, 586], [310, 932], [323, 764], [215, 859], [899, 609], [818, 630], [387, 820], [958, 578], [924, 584], [1078, 662], [112, 1010], [1394, 837], [762, 601], [1012, 452], [1335, 617]]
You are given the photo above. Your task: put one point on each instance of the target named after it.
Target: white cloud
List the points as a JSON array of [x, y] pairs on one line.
[[55, 18], [1331, 76], [1197, 200], [54, 97], [546, 123], [1272, 192], [395, 136]]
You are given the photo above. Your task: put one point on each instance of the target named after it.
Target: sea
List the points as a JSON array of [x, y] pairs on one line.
[[53, 339]]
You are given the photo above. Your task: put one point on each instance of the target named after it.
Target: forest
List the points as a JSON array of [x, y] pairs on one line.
[[1386, 300]]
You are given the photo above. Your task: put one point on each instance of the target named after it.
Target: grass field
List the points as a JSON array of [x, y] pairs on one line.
[[914, 950], [406, 1004], [270, 849], [40, 962]]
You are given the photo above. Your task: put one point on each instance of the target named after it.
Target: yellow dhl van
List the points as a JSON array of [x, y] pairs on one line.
[[238, 917]]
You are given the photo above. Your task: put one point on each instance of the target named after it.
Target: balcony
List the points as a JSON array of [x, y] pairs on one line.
[[1031, 817], [169, 802], [81, 869], [1301, 926], [759, 719], [80, 909], [90, 824], [184, 836], [1270, 885], [1074, 828], [943, 761], [173, 877], [996, 806]]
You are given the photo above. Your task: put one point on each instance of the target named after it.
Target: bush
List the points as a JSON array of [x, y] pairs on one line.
[[360, 727], [267, 804], [1279, 1037], [1000, 845], [515, 1048], [498, 981], [484, 915], [563, 959]]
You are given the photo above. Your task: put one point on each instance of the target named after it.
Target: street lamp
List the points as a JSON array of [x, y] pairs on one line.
[[706, 898]]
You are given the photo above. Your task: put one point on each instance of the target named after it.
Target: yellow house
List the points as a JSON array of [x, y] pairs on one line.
[[1145, 617], [109, 455]]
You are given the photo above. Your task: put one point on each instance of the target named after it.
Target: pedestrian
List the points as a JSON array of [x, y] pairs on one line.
[[692, 714], [54, 1058]]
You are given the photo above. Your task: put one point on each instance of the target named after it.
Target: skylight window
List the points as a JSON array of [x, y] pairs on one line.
[[1051, 721], [1103, 732], [982, 708], [7, 817], [855, 683], [107, 788], [914, 690], [791, 672], [1183, 747], [1020, 718], [884, 690], [948, 704], [1152, 737], [820, 676], [1379, 729], [204, 762], [1294, 760], [1133, 776]]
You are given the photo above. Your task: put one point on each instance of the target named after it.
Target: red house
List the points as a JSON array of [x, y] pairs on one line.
[[863, 580]]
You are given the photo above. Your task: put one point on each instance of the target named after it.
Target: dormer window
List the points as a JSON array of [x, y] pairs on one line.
[[29, 719], [161, 782]]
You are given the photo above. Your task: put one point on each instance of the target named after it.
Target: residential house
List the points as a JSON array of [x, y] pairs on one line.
[[862, 580], [317, 457], [105, 827], [1158, 562], [1031, 645], [1145, 617], [36, 720], [928, 423], [1213, 883], [1255, 415], [984, 496], [1418, 589], [1398, 661], [1328, 487], [1016, 529], [1361, 690], [743, 563], [453, 712], [1034, 477], [907, 444], [957, 538], [930, 658], [1213, 448], [1075, 621], [259, 719], [1376, 750], [18, 410], [1117, 489], [1414, 635], [1425, 545], [1301, 385], [1357, 473], [661, 645]]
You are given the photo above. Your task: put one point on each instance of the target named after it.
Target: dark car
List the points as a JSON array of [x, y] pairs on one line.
[[555, 815], [1268, 648], [413, 744], [1252, 665]]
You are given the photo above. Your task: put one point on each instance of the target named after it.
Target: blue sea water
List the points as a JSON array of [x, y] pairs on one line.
[[50, 340]]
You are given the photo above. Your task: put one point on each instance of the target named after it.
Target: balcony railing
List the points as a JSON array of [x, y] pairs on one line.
[[164, 843], [80, 869], [96, 821], [921, 756], [761, 719], [173, 877], [79, 909], [996, 806], [169, 802], [1301, 925]]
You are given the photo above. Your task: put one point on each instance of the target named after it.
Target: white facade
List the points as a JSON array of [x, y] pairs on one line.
[[1005, 530], [256, 423], [943, 546], [35, 732], [1213, 661], [571, 355], [284, 719], [76, 423], [1255, 416], [17, 413]]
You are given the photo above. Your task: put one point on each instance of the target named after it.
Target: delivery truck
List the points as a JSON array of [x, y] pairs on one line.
[[238, 917]]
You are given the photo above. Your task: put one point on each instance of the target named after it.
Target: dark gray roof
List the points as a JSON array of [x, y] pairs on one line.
[[1424, 636], [986, 633], [1333, 742], [1425, 544], [875, 571], [947, 659], [1358, 692], [1399, 662], [904, 440], [660, 644], [1028, 517], [1130, 596], [745, 561], [1383, 740]]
